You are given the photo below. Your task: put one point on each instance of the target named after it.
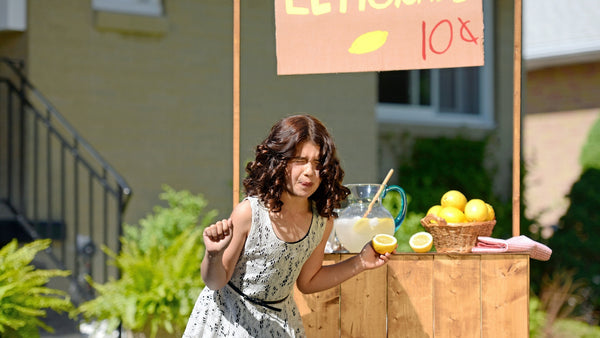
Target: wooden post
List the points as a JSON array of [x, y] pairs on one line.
[[236, 102], [516, 205]]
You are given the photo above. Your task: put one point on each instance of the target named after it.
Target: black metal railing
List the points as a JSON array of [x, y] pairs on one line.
[[53, 184]]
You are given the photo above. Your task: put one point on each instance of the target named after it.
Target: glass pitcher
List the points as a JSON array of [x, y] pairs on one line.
[[353, 230]]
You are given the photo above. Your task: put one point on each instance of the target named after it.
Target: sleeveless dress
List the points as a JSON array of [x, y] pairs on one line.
[[258, 301]]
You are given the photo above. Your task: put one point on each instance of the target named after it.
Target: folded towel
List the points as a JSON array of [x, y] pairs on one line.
[[521, 243]]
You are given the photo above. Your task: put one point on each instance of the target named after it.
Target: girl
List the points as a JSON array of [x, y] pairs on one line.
[[276, 237]]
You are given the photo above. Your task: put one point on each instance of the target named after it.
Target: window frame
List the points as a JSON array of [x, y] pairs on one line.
[[431, 115], [133, 7]]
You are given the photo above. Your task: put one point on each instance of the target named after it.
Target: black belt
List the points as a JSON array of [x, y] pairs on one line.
[[265, 303]]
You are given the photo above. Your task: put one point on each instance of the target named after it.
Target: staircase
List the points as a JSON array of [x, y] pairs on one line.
[[53, 184]]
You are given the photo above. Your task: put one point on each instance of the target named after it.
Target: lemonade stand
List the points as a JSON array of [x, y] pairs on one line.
[[428, 294]]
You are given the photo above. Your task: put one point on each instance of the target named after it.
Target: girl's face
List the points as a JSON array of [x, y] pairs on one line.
[[302, 174]]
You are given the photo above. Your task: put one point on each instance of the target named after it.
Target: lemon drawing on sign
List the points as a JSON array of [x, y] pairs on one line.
[[368, 42]]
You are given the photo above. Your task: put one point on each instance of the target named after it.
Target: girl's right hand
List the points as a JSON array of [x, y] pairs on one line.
[[217, 236]]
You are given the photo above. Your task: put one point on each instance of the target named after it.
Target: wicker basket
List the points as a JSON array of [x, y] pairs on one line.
[[455, 237]]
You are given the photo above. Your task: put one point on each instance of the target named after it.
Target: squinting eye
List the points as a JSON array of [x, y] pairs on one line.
[[299, 161]]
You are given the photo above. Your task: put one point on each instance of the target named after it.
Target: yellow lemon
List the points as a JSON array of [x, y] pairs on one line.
[[368, 42], [452, 215], [454, 198], [476, 210], [384, 243], [491, 212], [421, 242], [434, 210]]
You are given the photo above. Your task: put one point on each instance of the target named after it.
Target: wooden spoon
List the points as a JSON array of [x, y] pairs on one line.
[[364, 220]]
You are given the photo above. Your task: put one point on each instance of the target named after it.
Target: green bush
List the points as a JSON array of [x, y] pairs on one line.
[[159, 264], [24, 297], [590, 154], [565, 327], [436, 165], [575, 242]]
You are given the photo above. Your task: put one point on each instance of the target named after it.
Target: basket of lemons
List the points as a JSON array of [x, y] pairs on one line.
[[456, 222]]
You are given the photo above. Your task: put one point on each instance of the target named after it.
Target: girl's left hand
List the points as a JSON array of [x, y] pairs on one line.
[[370, 259]]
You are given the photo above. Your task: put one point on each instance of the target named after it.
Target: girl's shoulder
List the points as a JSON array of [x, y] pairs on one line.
[[242, 215]]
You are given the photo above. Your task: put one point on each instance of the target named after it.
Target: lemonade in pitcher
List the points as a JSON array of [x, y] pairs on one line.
[[352, 232], [354, 229]]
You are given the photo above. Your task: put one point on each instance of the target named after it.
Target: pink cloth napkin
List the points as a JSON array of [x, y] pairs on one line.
[[521, 243]]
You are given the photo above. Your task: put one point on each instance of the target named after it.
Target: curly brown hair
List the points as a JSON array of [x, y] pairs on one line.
[[266, 174]]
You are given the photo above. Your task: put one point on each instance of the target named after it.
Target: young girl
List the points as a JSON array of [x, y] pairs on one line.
[[276, 237]]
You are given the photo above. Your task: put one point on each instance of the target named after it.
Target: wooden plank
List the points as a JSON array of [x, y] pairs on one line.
[[457, 296], [320, 311], [516, 165], [363, 304], [505, 295], [410, 296], [236, 101]]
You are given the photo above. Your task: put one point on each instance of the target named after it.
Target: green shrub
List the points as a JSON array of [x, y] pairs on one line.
[[574, 328], [575, 242], [159, 264], [537, 317], [590, 153], [24, 297], [436, 165]]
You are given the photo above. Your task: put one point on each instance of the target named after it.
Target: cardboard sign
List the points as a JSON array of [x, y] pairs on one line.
[[332, 36]]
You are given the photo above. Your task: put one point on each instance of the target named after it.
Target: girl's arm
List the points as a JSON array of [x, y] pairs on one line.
[[224, 242], [315, 276]]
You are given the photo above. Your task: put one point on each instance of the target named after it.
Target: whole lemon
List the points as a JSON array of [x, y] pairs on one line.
[[434, 210], [452, 215], [491, 213], [454, 198], [476, 210]]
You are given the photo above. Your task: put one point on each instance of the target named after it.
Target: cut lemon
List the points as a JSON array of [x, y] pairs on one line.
[[384, 243], [421, 242]]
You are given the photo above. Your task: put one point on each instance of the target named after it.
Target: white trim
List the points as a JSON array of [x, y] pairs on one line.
[[13, 15], [135, 7], [428, 115]]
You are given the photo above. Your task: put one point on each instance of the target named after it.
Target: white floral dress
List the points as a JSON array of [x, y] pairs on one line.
[[258, 301]]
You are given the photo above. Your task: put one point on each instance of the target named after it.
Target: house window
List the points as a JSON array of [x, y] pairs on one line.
[[135, 7], [449, 96]]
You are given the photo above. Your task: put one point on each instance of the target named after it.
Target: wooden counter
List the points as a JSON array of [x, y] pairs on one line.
[[425, 295]]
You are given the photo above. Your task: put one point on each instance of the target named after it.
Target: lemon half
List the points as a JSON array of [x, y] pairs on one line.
[[384, 243], [421, 242]]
